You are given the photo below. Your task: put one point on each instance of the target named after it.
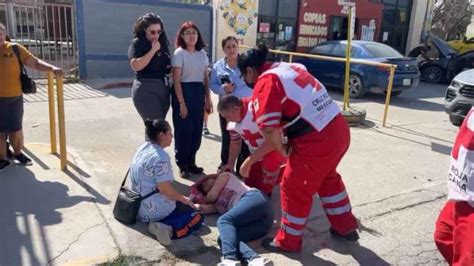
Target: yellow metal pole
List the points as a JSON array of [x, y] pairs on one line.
[[389, 94], [348, 62], [52, 114], [291, 59], [61, 122]]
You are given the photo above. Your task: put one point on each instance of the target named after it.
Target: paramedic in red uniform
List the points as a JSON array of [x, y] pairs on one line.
[[287, 96], [262, 168], [454, 233]]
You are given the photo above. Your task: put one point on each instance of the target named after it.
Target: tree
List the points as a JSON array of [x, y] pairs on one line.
[[451, 17]]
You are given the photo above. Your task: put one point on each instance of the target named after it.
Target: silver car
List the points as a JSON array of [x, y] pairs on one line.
[[460, 96]]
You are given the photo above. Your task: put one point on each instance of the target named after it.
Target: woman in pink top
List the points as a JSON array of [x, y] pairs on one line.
[[247, 214]]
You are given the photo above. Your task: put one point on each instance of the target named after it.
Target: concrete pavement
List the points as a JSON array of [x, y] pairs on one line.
[[395, 177]]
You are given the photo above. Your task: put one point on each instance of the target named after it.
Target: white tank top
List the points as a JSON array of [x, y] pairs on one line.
[[231, 194]]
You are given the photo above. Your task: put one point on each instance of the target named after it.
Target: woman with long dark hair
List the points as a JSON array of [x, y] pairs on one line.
[[191, 96], [151, 60]]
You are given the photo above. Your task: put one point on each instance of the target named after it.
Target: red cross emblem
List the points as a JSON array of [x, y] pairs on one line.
[[304, 78], [252, 138]]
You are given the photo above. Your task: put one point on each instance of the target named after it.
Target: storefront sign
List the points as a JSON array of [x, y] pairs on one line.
[[264, 27], [313, 30]]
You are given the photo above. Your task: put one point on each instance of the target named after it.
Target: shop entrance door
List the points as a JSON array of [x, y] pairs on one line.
[[395, 23]]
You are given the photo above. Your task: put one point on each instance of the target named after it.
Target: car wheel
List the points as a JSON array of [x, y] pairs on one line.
[[455, 120], [432, 74], [356, 86]]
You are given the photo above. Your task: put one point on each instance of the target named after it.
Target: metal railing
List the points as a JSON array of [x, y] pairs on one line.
[[390, 67], [46, 30], [61, 119]]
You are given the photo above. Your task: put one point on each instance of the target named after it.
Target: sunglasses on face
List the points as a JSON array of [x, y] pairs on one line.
[[154, 32]]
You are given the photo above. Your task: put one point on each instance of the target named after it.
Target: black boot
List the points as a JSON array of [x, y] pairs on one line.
[[194, 169], [352, 236], [184, 172]]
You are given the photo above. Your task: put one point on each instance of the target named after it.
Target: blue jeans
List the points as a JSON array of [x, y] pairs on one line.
[[251, 218]]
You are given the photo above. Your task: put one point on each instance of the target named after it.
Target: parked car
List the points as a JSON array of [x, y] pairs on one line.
[[447, 64], [460, 97], [462, 46], [363, 78]]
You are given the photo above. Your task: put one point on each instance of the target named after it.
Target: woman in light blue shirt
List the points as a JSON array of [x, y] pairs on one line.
[[225, 79], [170, 214]]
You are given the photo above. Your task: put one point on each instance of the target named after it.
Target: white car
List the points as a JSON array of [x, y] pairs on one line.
[[460, 96]]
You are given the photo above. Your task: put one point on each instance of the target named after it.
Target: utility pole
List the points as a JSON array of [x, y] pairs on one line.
[[11, 23]]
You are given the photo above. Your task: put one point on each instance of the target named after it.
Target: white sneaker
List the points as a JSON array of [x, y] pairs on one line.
[[162, 232], [260, 262], [226, 262]]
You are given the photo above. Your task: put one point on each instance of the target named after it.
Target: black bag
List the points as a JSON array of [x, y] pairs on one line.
[[28, 85], [128, 203]]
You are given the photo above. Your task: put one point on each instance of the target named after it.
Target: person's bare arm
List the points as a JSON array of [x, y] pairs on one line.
[[138, 64], [216, 189], [208, 102], [168, 190], [263, 150], [234, 150], [41, 65], [273, 137], [183, 109]]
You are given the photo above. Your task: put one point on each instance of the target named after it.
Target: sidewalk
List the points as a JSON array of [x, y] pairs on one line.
[[51, 217]]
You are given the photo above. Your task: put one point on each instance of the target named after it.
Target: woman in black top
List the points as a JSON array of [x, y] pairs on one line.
[[150, 59]]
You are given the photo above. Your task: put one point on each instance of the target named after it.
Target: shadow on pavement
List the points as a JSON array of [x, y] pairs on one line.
[[121, 93], [29, 205], [213, 137]]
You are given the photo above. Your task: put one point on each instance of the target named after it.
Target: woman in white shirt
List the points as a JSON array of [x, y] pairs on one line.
[[190, 96]]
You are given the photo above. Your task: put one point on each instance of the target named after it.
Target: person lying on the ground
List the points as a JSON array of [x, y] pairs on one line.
[[170, 214], [247, 214], [263, 167]]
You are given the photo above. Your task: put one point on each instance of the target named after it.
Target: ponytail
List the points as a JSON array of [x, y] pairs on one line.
[[254, 57], [155, 127]]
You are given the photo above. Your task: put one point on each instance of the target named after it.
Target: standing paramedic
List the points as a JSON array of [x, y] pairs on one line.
[[454, 233], [287, 96]]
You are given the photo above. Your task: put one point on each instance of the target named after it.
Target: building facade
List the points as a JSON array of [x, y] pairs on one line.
[[297, 25]]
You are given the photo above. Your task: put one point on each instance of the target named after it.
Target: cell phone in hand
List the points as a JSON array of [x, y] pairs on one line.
[[225, 79]]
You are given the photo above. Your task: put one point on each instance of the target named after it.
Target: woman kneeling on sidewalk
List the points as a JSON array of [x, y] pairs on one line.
[[247, 214], [170, 214]]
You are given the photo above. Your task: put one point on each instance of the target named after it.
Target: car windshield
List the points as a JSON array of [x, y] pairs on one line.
[[382, 50]]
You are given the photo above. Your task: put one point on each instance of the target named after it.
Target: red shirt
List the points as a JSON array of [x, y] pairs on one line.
[[270, 101], [271, 104]]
